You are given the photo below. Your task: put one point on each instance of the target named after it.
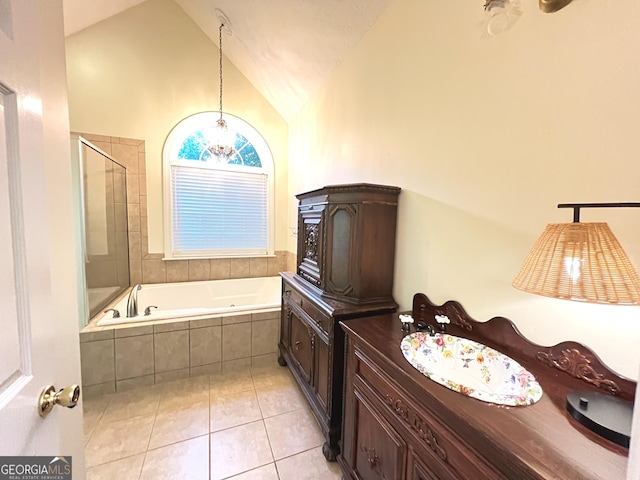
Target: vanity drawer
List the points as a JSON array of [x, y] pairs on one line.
[[307, 308], [449, 456], [318, 317], [292, 297]]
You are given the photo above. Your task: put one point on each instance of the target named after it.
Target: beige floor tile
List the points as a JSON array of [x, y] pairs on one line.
[[230, 382], [188, 460], [271, 375], [308, 465], [119, 439], [179, 424], [293, 432], [185, 394], [88, 431], [140, 401], [190, 384], [123, 469], [233, 410], [239, 449], [268, 472], [93, 408], [278, 399], [92, 411]]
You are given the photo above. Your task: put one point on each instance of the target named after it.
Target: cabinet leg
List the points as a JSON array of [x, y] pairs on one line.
[[281, 361], [329, 452]]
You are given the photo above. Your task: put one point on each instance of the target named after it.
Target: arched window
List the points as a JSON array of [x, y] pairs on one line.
[[215, 208]]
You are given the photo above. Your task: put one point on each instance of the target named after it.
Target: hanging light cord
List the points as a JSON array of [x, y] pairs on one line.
[[220, 50]]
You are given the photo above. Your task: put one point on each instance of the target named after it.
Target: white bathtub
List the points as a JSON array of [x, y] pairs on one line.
[[192, 300]]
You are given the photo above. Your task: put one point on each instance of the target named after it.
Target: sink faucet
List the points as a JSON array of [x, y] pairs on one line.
[[132, 301]]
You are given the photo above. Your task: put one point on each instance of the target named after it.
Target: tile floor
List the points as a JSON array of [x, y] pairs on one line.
[[240, 425]]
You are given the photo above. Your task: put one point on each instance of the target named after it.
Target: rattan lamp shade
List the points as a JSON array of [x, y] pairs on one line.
[[580, 261]]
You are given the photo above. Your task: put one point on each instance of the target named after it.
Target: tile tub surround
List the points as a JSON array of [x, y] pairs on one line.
[[147, 267], [250, 424], [125, 356]]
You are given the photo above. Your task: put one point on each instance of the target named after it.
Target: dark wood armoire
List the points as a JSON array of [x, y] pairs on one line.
[[345, 264]]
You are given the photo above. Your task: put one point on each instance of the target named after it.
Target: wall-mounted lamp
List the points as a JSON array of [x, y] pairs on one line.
[[580, 261], [550, 6], [585, 262]]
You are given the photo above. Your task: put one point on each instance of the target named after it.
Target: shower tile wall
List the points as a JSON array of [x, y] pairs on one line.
[[148, 267]]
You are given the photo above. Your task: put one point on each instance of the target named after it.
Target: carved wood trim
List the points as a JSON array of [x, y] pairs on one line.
[[574, 363], [311, 239], [417, 423], [352, 187], [309, 278], [312, 336]]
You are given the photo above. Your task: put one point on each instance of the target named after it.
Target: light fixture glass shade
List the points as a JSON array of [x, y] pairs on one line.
[[580, 261], [221, 141]]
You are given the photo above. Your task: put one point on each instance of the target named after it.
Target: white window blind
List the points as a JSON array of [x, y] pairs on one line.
[[218, 212]]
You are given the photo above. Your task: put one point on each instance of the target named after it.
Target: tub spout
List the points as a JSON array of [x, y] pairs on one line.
[[132, 301]]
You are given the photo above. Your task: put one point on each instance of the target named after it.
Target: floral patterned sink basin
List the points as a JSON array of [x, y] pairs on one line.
[[471, 368]]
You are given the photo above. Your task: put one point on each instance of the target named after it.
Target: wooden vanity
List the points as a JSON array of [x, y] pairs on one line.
[[398, 424]]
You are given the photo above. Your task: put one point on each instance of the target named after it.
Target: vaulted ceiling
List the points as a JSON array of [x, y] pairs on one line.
[[285, 48]]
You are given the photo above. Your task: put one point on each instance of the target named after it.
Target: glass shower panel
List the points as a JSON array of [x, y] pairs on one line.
[[106, 246]]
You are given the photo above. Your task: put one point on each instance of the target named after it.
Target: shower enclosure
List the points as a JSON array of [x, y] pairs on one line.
[[104, 225]]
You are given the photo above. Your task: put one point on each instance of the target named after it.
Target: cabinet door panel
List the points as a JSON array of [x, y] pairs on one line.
[[341, 229], [380, 452], [302, 345]]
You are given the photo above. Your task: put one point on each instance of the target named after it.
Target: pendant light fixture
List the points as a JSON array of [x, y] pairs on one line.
[[221, 141]]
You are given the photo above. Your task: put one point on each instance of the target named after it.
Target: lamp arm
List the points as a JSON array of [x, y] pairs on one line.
[[577, 206]]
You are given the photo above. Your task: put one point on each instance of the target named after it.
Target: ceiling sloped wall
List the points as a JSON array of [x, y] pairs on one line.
[[486, 136], [287, 48], [138, 73]]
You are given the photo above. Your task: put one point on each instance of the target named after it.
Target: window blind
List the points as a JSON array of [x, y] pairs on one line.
[[218, 212]]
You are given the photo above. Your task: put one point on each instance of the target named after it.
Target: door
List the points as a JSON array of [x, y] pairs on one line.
[[380, 451], [39, 316], [302, 342]]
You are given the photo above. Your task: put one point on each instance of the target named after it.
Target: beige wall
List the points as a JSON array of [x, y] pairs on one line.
[[486, 136], [139, 73]]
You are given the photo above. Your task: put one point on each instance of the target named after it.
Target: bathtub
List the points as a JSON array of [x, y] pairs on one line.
[[193, 300]]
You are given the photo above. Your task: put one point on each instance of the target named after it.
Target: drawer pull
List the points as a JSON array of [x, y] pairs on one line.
[[297, 345], [372, 456], [374, 460]]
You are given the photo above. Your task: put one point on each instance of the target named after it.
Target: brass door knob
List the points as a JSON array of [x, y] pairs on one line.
[[66, 397]]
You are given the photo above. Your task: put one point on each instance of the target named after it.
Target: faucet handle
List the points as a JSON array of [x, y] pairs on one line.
[[116, 313], [442, 320], [147, 311]]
